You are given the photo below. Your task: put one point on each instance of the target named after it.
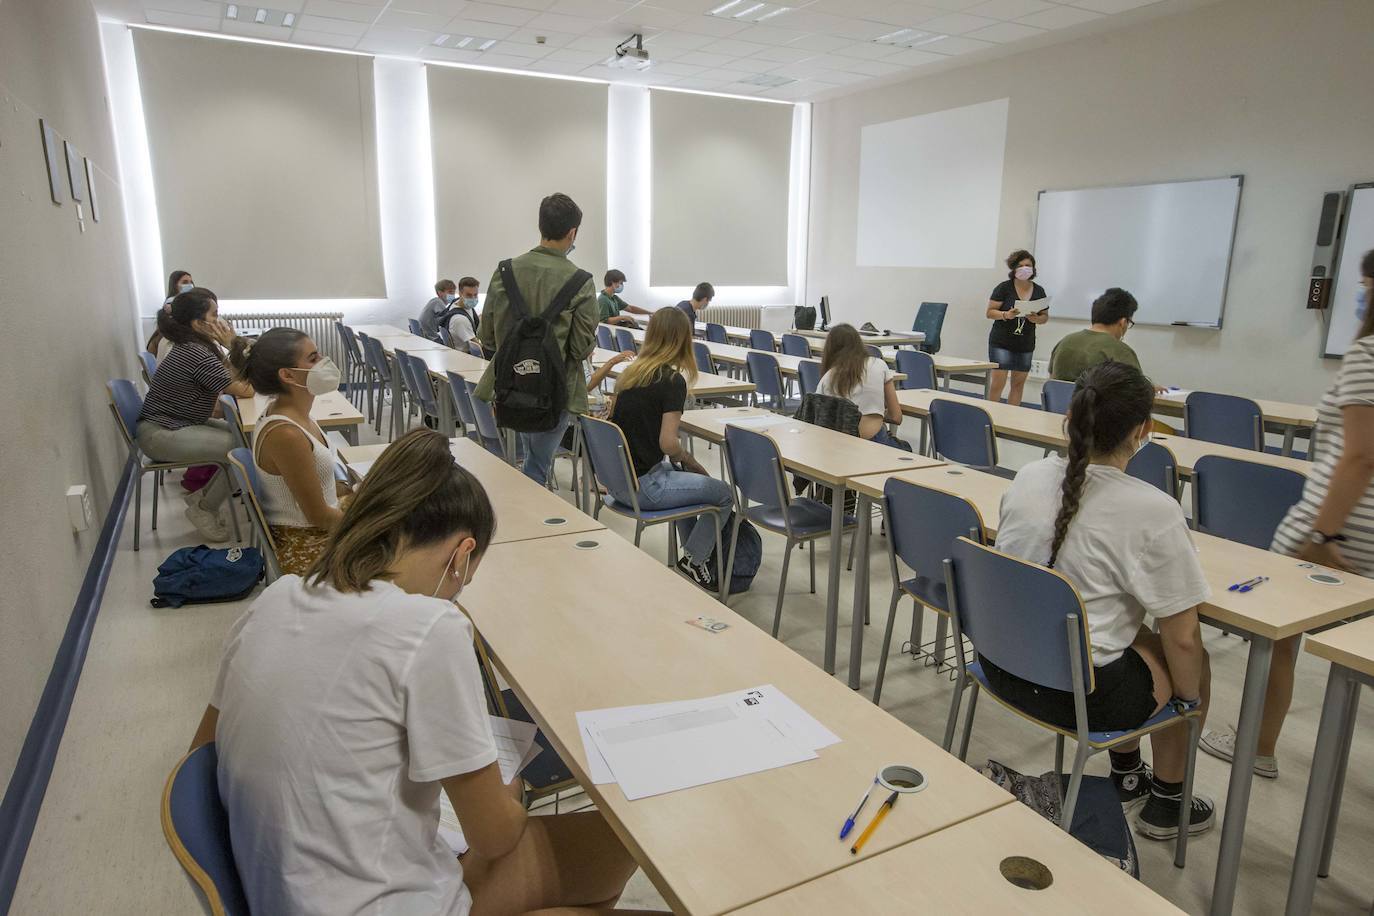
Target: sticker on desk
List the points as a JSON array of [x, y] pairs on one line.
[[709, 624]]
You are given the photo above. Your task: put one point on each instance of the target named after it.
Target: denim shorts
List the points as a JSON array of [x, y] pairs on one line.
[[1011, 362]]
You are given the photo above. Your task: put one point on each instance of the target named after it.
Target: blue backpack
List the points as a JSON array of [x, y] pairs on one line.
[[203, 575], [748, 557]]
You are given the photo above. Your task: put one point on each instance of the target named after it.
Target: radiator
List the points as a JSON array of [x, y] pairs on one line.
[[740, 316], [319, 325]]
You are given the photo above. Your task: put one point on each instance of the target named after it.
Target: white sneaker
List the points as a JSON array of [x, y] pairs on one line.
[[1221, 743], [208, 523]]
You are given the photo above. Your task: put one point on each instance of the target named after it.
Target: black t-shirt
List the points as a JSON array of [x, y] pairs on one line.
[[1005, 334], [639, 414], [686, 306]]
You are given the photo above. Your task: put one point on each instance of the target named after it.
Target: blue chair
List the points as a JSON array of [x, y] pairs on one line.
[[609, 454], [444, 337], [1157, 466], [873, 350], [809, 376], [703, 357], [475, 349], [604, 340], [245, 477], [1242, 500], [148, 363], [715, 333], [196, 827], [379, 367], [930, 318], [922, 523], [762, 340], [625, 341], [229, 406], [1224, 419], [462, 406], [918, 368], [1055, 396], [756, 471], [1029, 621], [767, 378], [125, 405], [415, 375], [414, 326], [963, 433], [796, 345], [354, 370], [485, 419]]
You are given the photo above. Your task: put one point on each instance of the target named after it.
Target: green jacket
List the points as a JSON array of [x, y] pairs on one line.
[[541, 273], [1084, 349]]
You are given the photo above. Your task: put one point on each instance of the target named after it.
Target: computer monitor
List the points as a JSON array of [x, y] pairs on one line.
[[825, 312]]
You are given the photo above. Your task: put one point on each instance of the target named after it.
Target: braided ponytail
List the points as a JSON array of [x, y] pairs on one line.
[[1081, 421]]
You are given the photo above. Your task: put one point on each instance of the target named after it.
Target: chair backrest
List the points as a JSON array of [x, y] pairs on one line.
[[462, 403], [1055, 395], [703, 356], [764, 373], [148, 362], [350, 341], [196, 827], [604, 340], [610, 457], [403, 367], [809, 373], [414, 326], [760, 339], [873, 350], [245, 473], [918, 368], [755, 467], [126, 404], [930, 318], [715, 333], [962, 433], [796, 345], [482, 415], [624, 340], [1157, 466], [375, 356], [444, 337], [923, 523], [419, 378], [475, 349], [229, 406], [1242, 500], [1014, 613], [1223, 418]]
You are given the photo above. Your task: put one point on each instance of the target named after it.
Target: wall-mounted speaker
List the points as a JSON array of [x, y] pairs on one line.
[[1320, 280]]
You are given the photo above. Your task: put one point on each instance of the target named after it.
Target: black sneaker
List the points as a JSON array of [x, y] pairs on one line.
[[1158, 820], [1132, 788], [701, 575]]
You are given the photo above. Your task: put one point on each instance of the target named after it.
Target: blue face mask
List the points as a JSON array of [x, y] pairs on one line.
[[449, 297], [1361, 303], [470, 302], [186, 287], [619, 288]]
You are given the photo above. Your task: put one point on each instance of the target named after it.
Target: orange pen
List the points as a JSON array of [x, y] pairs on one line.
[[873, 824]]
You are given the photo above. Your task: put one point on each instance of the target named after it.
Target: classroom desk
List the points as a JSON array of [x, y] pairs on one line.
[[330, 411], [963, 369], [579, 629], [408, 342], [438, 359], [735, 356], [524, 510], [1187, 452], [1288, 417], [707, 385], [894, 339], [957, 870], [1350, 649], [823, 455]]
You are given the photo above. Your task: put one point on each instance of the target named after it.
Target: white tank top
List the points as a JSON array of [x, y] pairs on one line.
[[278, 503]]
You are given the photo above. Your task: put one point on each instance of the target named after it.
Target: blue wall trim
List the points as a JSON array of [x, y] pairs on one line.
[[29, 783]]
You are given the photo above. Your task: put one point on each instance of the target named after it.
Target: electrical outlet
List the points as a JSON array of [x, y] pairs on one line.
[[1039, 369], [80, 512]]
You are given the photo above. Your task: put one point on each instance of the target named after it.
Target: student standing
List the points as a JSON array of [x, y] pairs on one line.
[[445, 293], [848, 372], [612, 306], [1011, 342], [540, 274], [180, 421], [296, 484], [348, 700], [1125, 547], [650, 396], [701, 298], [179, 281]]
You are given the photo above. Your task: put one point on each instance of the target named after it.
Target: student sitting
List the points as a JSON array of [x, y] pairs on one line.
[[295, 463], [445, 293], [649, 399], [179, 281], [461, 317], [701, 298], [347, 700], [1112, 316], [180, 419], [612, 305], [1125, 546], [848, 372]]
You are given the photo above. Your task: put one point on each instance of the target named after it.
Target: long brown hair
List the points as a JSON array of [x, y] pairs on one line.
[[1110, 401], [416, 494], [177, 324], [667, 346], [259, 362], [846, 356], [1367, 270]]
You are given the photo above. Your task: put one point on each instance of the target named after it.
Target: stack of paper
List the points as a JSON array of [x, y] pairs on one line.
[[650, 750], [515, 749]]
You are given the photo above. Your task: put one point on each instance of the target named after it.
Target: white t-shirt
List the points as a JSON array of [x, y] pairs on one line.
[[460, 329], [338, 714], [868, 397], [1128, 550]]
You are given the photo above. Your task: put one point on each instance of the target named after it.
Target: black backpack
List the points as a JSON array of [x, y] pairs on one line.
[[531, 390]]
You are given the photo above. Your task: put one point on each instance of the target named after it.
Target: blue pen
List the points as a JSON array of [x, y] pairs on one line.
[[1244, 586], [849, 821], [1259, 580]]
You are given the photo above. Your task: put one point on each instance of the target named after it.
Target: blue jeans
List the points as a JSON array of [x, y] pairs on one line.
[[666, 488], [885, 437], [539, 449]]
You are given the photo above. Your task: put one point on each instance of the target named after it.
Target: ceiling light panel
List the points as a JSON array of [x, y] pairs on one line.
[[749, 11]]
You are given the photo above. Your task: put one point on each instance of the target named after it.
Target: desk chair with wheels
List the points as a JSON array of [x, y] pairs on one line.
[[125, 405], [196, 827], [1224, 419], [245, 477], [1157, 466], [1242, 500], [1030, 622], [809, 376], [930, 318], [963, 433], [760, 339], [1055, 396], [796, 345], [767, 378], [604, 339], [609, 454]]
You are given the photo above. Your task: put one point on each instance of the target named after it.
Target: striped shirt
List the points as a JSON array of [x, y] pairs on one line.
[[1354, 386], [183, 392]]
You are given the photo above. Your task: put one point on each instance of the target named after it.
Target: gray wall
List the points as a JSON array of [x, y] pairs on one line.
[[1277, 90], [68, 314]]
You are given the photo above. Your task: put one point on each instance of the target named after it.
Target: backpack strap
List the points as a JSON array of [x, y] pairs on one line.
[[516, 298], [566, 294]]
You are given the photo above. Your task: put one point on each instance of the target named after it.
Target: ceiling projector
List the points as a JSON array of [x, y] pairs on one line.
[[630, 54]]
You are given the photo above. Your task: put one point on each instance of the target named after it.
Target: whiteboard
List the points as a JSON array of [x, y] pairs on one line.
[[1169, 244], [1357, 237]]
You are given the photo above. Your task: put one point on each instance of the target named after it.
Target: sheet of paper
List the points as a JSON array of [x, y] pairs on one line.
[[360, 468], [1177, 394], [757, 422], [515, 746], [450, 831]]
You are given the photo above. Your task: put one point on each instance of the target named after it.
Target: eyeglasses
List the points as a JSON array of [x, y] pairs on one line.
[[1130, 323]]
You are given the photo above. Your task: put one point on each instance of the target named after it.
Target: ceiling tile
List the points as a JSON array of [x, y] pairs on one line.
[[535, 5], [707, 59], [578, 57], [1060, 17], [1009, 9], [819, 43], [476, 28], [528, 52], [735, 48], [688, 6], [402, 19], [955, 44], [491, 12], [864, 9], [252, 29], [572, 24], [914, 57], [752, 64], [1004, 32], [709, 25], [324, 39], [597, 43], [494, 58], [355, 12], [769, 35], [910, 14], [332, 26], [957, 23], [1112, 6], [681, 40], [784, 54], [395, 41], [532, 36], [675, 68], [209, 9], [645, 16], [449, 8], [955, 5], [557, 66], [866, 50], [839, 77], [182, 20], [454, 55], [591, 9]]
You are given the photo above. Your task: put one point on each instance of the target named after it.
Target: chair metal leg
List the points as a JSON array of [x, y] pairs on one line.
[[968, 720], [849, 564], [1186, 802], [639, 530], [961, 681], [811, 549], [918, 625], [720, 558], [138, 506], [887, 643], [1334, 809], [1080, 760], [155, 489], [1058, 755], [782, 588], [672, 544]]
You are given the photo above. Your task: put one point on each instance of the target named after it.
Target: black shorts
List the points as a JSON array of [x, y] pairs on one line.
[[1124, 698]]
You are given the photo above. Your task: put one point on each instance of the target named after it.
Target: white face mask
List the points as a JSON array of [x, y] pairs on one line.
[[186, 287], [1024, 273], [321, 378], [448, 570]]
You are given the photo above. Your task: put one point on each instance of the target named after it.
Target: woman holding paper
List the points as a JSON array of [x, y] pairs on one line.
[[347, 700], [1011, 342]]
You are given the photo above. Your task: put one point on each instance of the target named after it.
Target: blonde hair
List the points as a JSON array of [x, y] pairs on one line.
[[846, 356], [667, 345], [415, 494]]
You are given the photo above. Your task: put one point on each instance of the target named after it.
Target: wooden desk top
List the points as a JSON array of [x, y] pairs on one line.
[[574, 629], [957, 871], [411, 344], [1021, 423], [1302, 415], [961, 364], [524, 510], [329, 411], [812, 451], [983, 490], [1350, 646], [896, 338], [379, 330], [1188, 451], [707, 385], [445, 360], [729, 353]]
